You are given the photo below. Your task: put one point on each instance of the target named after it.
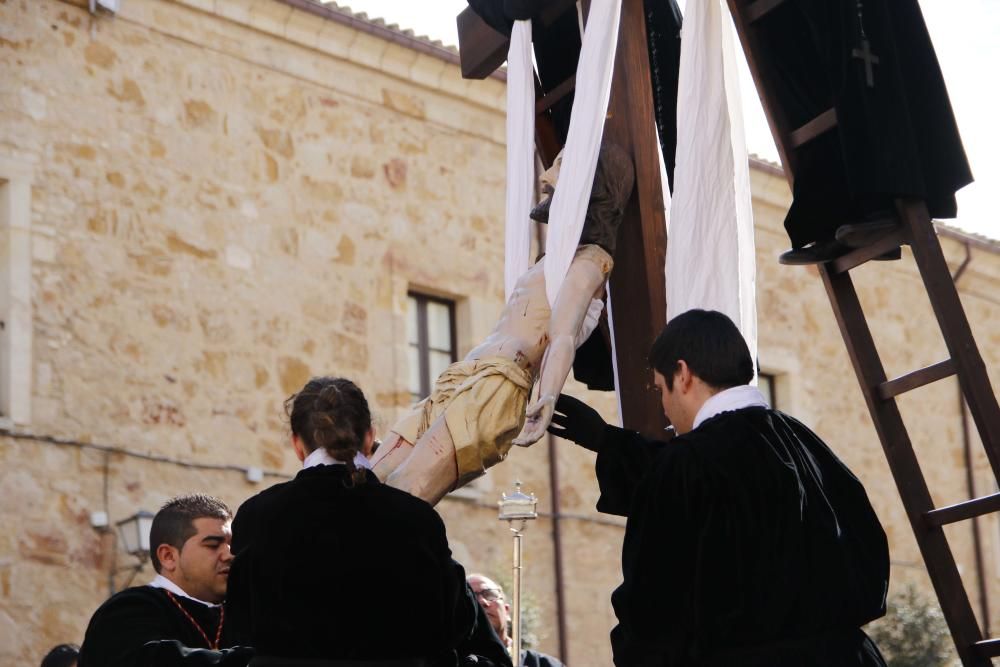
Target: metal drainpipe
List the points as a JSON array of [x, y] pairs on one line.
[[554, 484], [557, 546], [970, 481]]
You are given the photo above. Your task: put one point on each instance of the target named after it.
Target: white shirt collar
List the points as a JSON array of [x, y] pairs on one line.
[[727, 400], [162, 582], [321, 457]]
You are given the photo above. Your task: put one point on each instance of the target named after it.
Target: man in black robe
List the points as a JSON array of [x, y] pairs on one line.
[[179, 618], [748, 542], [873, 63]]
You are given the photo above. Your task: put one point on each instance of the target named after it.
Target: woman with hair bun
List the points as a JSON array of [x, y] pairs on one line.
[[305, 587]]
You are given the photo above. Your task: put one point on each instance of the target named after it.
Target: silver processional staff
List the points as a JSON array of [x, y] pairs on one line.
[[517, 509]]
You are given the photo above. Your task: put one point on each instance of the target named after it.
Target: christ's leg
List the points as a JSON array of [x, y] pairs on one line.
[[431, 470], [390, 455]]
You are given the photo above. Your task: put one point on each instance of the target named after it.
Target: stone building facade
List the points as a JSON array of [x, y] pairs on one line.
[[204, 202]]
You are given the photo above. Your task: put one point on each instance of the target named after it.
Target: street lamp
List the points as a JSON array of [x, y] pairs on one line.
[[134, 532], [517, 509]]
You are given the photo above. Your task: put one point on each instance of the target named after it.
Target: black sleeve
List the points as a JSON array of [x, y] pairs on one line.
[[129, 632], [484, 643], [623, 460], [171, 652]]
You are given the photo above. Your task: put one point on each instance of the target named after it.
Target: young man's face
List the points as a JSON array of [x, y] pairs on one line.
[[201, 568], [675, 404]]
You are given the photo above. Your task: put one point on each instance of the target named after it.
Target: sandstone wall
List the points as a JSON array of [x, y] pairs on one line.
[[229, 197]]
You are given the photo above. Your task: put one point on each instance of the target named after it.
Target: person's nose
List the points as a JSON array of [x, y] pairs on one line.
[[227, 554]]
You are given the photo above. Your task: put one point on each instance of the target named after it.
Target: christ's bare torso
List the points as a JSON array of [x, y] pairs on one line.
[[521, 333]]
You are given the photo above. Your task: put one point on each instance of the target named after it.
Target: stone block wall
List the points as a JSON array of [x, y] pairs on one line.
[[228, 197]]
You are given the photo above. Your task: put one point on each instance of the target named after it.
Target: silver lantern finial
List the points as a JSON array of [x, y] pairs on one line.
[[517, 509]]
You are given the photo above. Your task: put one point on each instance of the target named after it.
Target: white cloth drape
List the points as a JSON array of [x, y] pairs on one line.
[[583, 141], [520, 154], [710, 249]]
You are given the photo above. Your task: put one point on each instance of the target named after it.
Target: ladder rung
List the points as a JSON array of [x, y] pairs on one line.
[[988, 648], [759, 8], [556, 94], [859, 256], [916, 379], [824, 122], [963, 511]]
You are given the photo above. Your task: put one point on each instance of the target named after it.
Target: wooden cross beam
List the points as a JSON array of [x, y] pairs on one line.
[[638, 291]]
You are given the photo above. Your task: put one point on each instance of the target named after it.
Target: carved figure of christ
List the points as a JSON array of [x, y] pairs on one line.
[[528, 334], [478, 405]]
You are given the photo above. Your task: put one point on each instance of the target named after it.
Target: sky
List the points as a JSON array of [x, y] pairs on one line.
[[966, 36]]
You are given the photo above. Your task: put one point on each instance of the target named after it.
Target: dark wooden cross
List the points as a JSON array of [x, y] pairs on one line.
[[638, 291], [869, 58]]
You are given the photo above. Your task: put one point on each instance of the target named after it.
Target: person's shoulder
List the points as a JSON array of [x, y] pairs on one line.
[[402, 501], [132, 600], [263, 498]]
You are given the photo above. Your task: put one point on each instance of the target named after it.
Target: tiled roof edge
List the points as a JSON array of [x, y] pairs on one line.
[[377, 27]]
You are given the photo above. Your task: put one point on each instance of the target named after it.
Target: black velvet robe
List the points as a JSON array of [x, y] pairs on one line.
[[309, 578], [895, 138], [748, 543], [141, 627]]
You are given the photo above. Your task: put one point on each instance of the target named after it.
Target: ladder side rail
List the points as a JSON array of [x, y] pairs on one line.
[[760, 69], [905, 468], [957, 333]]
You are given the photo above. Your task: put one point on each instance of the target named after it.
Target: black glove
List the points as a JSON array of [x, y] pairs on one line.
[[575, 420]]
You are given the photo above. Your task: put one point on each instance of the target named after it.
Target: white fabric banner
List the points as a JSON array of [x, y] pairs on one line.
[[520, 155], [583, 141], [710, 248]]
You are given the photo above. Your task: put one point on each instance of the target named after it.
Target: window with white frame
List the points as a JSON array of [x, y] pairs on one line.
[[15, 292], [430, 331]]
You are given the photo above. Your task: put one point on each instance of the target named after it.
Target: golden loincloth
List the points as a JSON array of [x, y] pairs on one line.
[[483, 402]]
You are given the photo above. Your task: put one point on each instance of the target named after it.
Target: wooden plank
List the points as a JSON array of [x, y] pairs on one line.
[[824, 122], [482, 49], [963, 511], [916, 379], [638, 290], [904, 466], [859, 256], [546, 102], [971, 370], [759, 9]]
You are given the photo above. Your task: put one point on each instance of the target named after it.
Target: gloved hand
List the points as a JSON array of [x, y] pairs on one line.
[[590, 321], [577, 421]]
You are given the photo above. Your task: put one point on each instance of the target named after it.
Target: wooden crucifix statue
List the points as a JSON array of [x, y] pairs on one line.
[[641, 119]]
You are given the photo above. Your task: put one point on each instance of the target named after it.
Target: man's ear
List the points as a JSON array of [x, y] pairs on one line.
[[169, 556], [682, 377]]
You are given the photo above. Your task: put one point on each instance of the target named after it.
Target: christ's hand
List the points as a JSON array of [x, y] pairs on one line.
[[537, 420]]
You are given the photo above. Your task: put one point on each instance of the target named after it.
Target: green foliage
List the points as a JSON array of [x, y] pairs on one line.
[[913, 632]]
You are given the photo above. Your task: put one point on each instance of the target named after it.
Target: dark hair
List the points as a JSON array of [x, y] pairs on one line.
[[174, 523], [613, 182], [64, 655], [331, 413], [710, 343]]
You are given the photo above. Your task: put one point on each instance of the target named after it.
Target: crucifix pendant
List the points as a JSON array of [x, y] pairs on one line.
[[869, 58]]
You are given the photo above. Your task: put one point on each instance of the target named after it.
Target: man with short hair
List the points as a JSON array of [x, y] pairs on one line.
[[491, 599], [179, 618], [748, 541]]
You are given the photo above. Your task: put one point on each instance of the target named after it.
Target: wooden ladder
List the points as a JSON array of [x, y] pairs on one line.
[[916, 230]]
